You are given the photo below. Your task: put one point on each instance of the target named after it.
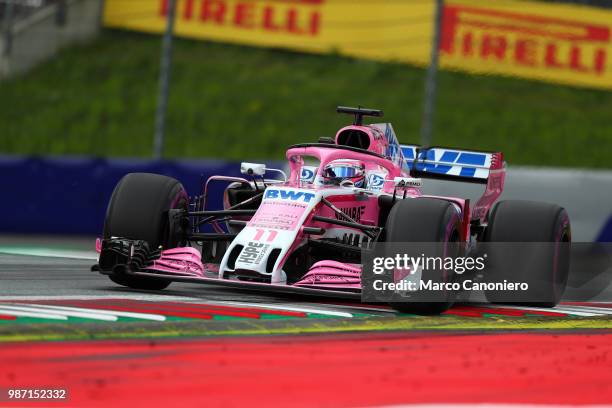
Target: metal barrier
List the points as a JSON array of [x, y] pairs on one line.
[[34, 30]]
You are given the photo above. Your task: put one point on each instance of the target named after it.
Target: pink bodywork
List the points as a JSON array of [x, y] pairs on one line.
[[184, 261], [495, 187], [378, 145], [271, 216], [333, 275]]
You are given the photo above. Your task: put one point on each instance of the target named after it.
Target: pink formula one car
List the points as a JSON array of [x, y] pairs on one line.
[[305, 233]]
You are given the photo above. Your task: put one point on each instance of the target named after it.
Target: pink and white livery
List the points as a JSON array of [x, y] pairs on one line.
[[306, 231]]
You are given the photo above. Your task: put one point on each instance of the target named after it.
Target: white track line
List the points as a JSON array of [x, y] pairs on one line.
[[192, 300], [605, 310], [51, 253], [362, 308], [583, 313], [12, 312], [589, 309], [132, 296], [67, 313], [70, 312], [291, 308], [110, 313], [557, 309]]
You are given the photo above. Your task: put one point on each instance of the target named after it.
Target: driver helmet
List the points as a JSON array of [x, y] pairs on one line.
[[341, 170]]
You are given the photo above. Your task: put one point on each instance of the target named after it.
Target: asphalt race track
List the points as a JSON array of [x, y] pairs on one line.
[[63, 326]]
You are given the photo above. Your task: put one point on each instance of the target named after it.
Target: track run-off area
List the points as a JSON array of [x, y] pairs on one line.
[[62, 326]]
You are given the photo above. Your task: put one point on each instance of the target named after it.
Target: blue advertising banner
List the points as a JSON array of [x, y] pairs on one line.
[[70, 195]]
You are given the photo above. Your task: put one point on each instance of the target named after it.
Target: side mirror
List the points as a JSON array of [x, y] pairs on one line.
[[252, 169]]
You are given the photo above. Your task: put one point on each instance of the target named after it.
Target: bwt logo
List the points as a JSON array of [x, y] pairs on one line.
[[289, 195]]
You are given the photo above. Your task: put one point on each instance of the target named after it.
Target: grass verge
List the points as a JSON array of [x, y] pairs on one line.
[[235, 102]]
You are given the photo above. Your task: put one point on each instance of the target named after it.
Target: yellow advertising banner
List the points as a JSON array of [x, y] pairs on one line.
[[557, 43]]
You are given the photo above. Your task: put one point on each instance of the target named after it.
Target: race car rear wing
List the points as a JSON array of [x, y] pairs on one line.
[[451, 164], [460, 165]]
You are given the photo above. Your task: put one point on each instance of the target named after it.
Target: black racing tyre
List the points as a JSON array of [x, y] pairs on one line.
[[544, 267], [424, 220], [138, 210]]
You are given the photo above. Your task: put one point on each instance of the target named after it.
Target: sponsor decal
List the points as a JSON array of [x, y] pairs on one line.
[[393, 151], [253, 253], [281, 215], [289, 195], [393, 148], [409, 152], [559, 43], [413, 183], [525, 40], [307, 174], [376, 182], [354, 212], [327, 278], [442, 161], [297, 17], [407, 182]]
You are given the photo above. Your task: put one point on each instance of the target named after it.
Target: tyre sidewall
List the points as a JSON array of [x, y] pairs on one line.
[[547, 271], [425, 220]]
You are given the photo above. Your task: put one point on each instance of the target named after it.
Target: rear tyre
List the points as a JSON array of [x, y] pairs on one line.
[[424, 220], [545, 268], [138, 209]]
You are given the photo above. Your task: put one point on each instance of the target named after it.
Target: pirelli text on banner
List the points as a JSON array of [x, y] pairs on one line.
[[559, 43], [571, 47]]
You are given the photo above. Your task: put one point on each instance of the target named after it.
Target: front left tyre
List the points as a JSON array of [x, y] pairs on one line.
[[425, 221], [138, 210]]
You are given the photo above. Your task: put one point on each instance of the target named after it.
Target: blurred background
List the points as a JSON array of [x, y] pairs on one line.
[[93, 89]]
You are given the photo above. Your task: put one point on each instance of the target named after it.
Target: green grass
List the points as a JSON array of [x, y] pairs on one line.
[[238, 102]]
